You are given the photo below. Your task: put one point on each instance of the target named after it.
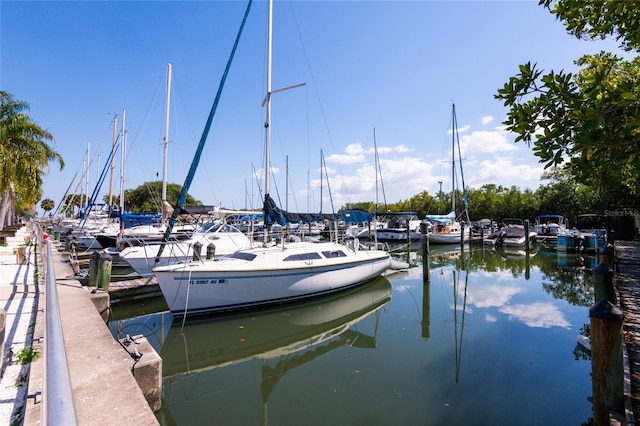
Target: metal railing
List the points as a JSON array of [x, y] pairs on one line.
[[58, 406]]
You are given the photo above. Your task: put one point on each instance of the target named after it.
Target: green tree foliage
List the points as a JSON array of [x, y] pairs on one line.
[[147, 198], [599, 19], [24, 153], [588, 121], [47, 205]]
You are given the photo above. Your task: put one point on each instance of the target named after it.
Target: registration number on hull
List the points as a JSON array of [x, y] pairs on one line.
[[208, 281]]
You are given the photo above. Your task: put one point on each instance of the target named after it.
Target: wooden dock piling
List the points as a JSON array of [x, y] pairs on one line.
[[607, 373]]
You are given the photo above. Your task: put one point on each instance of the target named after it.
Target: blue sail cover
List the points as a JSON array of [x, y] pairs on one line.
[[356, 216], [135, 219], [274, 214], [442, 218]]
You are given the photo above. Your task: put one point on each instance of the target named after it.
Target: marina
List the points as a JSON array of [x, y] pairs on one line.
[[482, 313], [435, 335]]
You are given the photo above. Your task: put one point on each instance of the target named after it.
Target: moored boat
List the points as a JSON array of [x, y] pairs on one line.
[[549, 226], [267, 274]]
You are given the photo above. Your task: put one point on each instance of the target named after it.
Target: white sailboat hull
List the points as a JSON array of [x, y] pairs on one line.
[[274, 275], [144, 258], [446, 238]]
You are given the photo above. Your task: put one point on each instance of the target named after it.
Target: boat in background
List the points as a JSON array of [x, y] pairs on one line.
[[399, 227], [213, 237], [549, 226], [512, 234], [588, 235], [446, 229]]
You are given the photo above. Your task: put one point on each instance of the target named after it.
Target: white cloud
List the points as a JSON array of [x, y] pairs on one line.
[[491, 296], [539, 315], [487, 119], [503, 170], [483, 141]]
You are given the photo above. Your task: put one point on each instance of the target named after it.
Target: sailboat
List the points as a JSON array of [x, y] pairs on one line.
[[270, 273], [446, 229]]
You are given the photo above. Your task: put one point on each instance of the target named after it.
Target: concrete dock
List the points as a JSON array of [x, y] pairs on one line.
[[100, 368]]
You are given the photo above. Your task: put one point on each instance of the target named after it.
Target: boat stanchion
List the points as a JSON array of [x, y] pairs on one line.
[[197, 251], [211, 251], [607, 368], [104, 272], [94, 264]]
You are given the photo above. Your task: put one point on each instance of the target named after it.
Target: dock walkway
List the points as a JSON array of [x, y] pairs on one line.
[[104, 389], [627, 281]]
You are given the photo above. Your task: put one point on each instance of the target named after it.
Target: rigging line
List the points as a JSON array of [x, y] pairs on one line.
[[464, 189], [143, 125], [203, 139], [315, 88], [64, 200], [333, 210]]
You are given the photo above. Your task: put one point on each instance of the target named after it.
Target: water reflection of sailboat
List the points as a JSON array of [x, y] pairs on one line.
[[274, 333], [463, 265]]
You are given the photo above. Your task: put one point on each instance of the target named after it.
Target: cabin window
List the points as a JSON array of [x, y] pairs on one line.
[[303, 256], [334, 253], [243, 256]]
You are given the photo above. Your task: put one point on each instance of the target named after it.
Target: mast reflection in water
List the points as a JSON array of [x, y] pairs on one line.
[[489, 338], [280, 339]]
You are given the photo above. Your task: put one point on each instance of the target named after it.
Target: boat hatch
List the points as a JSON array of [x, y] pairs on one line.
[[243, 256], [302, 256], [334, 253]]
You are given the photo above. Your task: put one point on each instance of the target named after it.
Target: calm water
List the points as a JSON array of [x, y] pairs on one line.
[[489, 340]]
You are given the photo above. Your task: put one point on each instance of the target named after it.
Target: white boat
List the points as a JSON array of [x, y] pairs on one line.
[[261, 276], [585, 342], [549, 226], [512, 234], [399, 227], [222, 238], [268, 274], [445, 228], [272, 332]]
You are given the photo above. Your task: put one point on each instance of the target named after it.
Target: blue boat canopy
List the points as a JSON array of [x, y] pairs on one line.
[[442, 218]]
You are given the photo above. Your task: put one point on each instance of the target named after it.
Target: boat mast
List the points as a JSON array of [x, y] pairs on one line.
[[453, 159], [86, 177], [113, 165], [122, 160], [267, 124], [166, 143]]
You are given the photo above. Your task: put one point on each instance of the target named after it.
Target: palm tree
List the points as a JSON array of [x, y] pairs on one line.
[[24, 157], [47, 205]]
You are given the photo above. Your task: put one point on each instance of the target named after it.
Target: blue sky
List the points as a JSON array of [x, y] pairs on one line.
[[392, 66]]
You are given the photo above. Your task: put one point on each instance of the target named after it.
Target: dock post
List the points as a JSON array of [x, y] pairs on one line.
[[603, 283], [605, 254], [211, 251], [104, 273], [197, 251], [424, 231], [526, 234], [94, 263], [461, 234], [606, 361]]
